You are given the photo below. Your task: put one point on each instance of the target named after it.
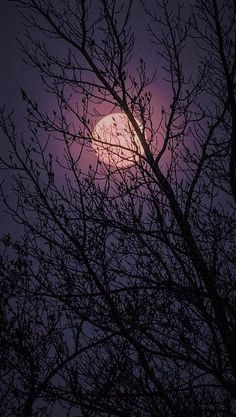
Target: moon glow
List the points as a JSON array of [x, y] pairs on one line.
[[115, 142]]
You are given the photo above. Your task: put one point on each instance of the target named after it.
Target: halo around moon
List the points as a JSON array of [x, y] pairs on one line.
[[115, 141]]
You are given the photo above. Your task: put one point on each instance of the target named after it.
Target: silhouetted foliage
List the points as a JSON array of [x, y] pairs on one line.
[[119, 298]]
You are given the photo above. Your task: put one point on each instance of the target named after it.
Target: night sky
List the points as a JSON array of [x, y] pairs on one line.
[[156, 260], [16, 74]]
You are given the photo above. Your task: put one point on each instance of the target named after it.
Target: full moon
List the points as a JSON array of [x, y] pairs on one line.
[[115, 141]]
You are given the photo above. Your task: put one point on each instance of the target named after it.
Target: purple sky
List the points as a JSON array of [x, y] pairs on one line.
[[14, 73]]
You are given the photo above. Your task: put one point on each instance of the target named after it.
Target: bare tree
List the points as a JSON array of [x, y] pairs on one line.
[[119, 300]]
